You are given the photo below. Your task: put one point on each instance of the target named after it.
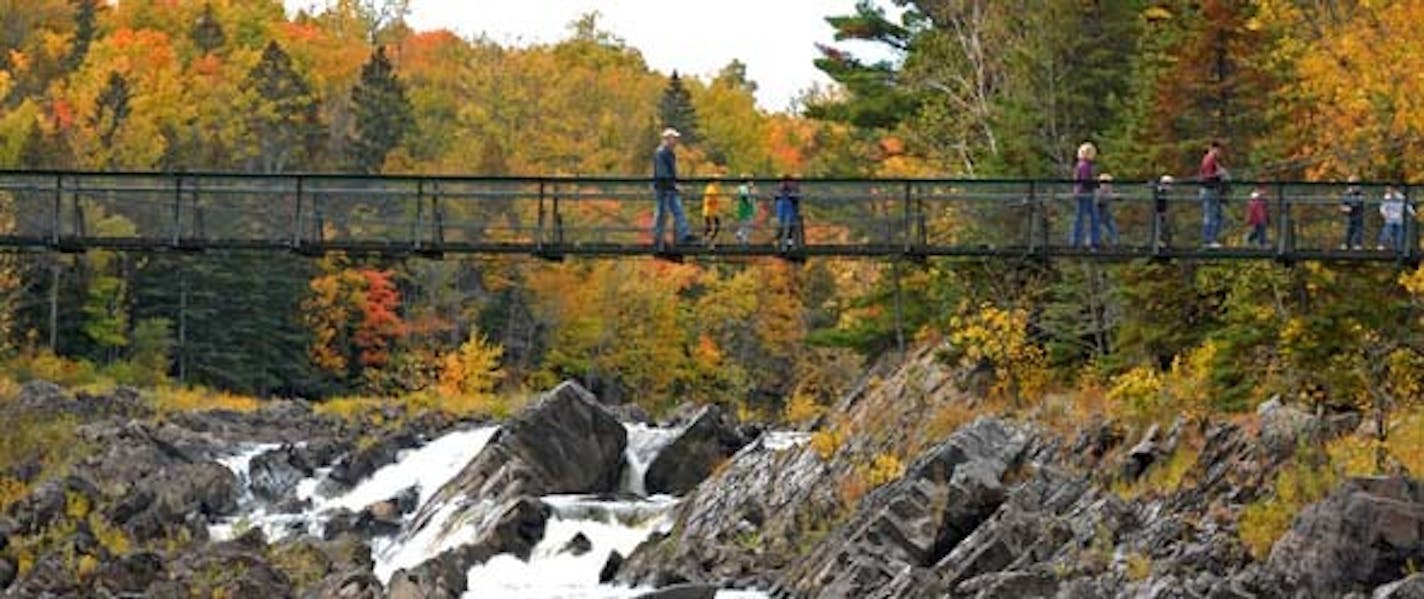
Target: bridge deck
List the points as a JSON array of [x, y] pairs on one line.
[[609, 217]]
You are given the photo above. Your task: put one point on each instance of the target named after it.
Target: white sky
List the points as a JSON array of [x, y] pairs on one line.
[[775, 38]]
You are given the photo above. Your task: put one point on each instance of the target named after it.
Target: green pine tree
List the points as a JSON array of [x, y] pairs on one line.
[[676, 110], [111, 109], [86, 13], [383, 114], [285, 121], [207, 32]]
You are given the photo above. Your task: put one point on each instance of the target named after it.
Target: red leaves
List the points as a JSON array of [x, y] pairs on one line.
[[380, 321]]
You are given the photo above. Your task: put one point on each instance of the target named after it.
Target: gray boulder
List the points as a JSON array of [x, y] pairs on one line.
[[710, 437], [1363, 535]]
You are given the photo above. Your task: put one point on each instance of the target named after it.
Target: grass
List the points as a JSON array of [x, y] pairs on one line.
[[170, 400]]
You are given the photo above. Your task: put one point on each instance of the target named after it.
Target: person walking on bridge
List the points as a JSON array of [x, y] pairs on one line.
[[665, 188], [1161, 193], [1085, 184], [1395, 208], [1106, 195], [712, 210], [746, 209], [1213, 177], [1352, 205]]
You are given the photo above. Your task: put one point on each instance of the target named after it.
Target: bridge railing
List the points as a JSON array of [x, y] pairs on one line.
[[556, 215]]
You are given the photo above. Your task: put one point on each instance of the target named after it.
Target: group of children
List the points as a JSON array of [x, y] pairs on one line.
[[786, 207], [1393, 209]]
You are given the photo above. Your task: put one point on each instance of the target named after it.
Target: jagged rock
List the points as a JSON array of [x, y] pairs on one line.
[[131, 574], [274, 475], [711, 436], [7, 572], [610, 567], [683, 591], [913, 522], [1009, 585], [1142, 455], [579, 545], [564, 443], [354, 584], [361, 464], [518, 529], [1361, 536], [236, 568], [1411, 587]]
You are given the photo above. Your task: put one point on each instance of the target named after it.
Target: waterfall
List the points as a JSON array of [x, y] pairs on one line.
[[644, 443]]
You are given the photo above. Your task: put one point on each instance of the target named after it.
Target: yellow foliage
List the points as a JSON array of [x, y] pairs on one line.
[[801, 408], [1139, 395], [827, 441], [472, 370], [1000, 337], [885, 468], [1139, 567], [199, 399], [1297, 485]]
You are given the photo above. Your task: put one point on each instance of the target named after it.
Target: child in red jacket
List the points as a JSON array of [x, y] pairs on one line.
[[1257, 217]]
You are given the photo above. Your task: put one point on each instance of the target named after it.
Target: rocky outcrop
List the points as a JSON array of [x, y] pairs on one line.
[[709, 438], [517, 529], [914, 521], [564, 443], [1367, 533]]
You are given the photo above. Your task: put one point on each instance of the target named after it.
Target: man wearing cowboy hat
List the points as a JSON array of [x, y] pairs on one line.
[[665, 187]]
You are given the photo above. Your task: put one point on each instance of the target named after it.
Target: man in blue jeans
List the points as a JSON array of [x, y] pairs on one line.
[[665, 186], [1213, 179]]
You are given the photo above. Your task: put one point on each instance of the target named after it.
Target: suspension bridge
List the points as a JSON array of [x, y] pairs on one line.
[[558, 217]]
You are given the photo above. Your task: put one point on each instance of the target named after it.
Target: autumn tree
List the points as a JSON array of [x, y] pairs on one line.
[[383, 114]]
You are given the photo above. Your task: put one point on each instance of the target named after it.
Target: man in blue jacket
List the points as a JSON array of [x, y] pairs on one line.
[[665, 186]]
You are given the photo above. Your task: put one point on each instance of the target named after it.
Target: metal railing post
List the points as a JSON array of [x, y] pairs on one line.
[[1034, 227], [438, 234], [1282, 222], [419, 213], [539, 231], [177, 210], [558, 220], [1411, 225], [55, 219], [908, 228], [297, 217]]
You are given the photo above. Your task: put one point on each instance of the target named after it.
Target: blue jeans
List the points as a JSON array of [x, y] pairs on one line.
[[1392, 236], [668, 201], [1085, 215], [1105, 218], [1355, 230], [1258, 236], [1211, 215]]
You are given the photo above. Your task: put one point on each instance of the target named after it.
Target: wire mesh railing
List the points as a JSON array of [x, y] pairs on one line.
[[554, 216]]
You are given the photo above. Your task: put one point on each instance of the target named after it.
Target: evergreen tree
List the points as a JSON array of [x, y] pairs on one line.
[[207, 32], [111, 109], [383, 114], [85, 27], [875, 98], [676, 109], [284, 120]]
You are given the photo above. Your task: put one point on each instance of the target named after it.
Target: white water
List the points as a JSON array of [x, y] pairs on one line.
[[644, 443], [427, 468], [550, 573]]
